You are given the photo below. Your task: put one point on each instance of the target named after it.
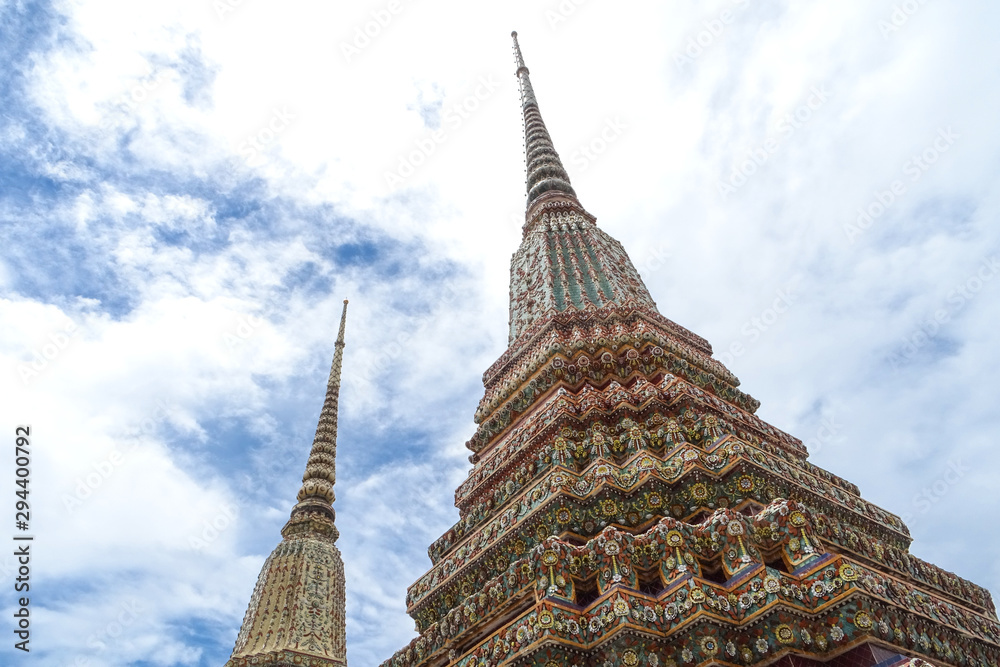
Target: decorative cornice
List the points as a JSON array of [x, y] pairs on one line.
[[831, 599]]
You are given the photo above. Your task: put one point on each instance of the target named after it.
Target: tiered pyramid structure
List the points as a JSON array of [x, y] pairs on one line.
[[626, 507]]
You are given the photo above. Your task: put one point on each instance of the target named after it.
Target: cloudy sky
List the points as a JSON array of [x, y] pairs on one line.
[[189, 189]]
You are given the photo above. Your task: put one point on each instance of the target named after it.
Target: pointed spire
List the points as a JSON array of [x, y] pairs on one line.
[[545, 171], [297, 613], [316, 493]]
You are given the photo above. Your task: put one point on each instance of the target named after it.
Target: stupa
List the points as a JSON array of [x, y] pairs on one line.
[[626, 506], [296, 615]]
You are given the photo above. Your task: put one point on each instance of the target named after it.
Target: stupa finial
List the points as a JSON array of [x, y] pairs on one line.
[[545, 170], [316, 493], [517, 54], [297, 611]]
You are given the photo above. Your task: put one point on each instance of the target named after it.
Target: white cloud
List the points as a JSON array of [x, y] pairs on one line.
[[205, 291]]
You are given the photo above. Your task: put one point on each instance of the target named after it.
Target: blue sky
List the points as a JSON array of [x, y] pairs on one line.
[[187, 193]]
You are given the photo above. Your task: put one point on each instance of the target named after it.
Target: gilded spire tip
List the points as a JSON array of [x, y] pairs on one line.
[[340, 339], [316, 493]]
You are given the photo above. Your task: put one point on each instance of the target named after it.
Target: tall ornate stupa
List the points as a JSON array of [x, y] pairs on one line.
[[626, 507], [296, 614]]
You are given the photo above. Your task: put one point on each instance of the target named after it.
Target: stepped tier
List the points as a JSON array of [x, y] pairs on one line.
[[733, 587]]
